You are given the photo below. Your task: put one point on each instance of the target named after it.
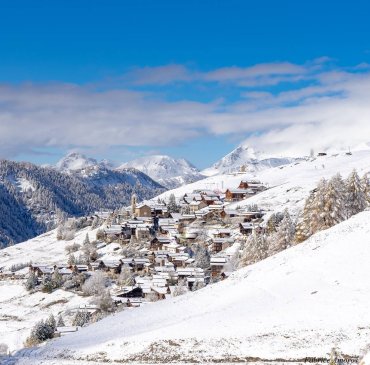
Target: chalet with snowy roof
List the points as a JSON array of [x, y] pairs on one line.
[[234, 195], [246, 228], [220, 244], [243, 185], [157, 243], [218, 264], [251, 216], [187, 218], [143, 210], [197, 205], [222, 233], [142, 232], [129, 292]]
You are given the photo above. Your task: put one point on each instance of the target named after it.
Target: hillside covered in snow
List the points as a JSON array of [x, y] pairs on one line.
[[166, 170], [288, 185], [301, 302]]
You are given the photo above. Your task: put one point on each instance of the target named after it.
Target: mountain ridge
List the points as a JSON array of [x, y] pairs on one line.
[[168, 171]]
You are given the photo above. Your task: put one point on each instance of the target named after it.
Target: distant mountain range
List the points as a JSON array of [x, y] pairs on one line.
[[31, 196], [166, 170]]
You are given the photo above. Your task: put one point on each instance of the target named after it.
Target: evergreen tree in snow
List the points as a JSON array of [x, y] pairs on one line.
[[51, 322], [125, 278], [303, 227], [356, 196], [81, 318], [284, 235], [334, 207], [41, 332], [316, 216], [71, 260], [86, 240], [365, 182], [60, 322], [56, 279], [31, 281], [255, 249], [202, 257], [172, 206]]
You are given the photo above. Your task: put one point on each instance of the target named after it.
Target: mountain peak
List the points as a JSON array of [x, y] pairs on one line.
[[75, 161], [247, 156], [168, 171]]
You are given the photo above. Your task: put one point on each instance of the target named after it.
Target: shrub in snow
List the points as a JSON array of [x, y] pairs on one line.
[[66, 233], [3, 349], [125, 278], [72, 248], [151, 297], [198, 285], [180, 289], [105, 301], [100, 235], [95, 284], [20, 266], [74, 281]]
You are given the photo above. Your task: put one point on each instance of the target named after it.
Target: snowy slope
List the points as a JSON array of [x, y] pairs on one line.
[[248, 157], [168, 171], [289, 185], [300, 302], [20, 310]]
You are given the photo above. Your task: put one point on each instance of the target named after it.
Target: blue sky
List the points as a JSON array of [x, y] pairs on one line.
[[193, 78]]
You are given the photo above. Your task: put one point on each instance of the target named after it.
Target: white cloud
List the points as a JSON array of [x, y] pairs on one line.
[[331, 110]]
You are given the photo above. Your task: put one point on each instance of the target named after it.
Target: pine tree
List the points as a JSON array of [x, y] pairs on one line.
[[60, 322], [172, 206], [31, 281], [81, 318], [284, 235], [356, 196], [330, 207], [51, 322], [202, 257], [316, 221], [365, 182], [86, 240], [56, 279], [255, 249], [303, 227], [71, 260]]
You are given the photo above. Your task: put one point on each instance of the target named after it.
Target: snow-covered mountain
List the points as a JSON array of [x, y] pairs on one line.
[[30, 195], [247, 157], [168, 171], [76, 161], [301, 302]]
